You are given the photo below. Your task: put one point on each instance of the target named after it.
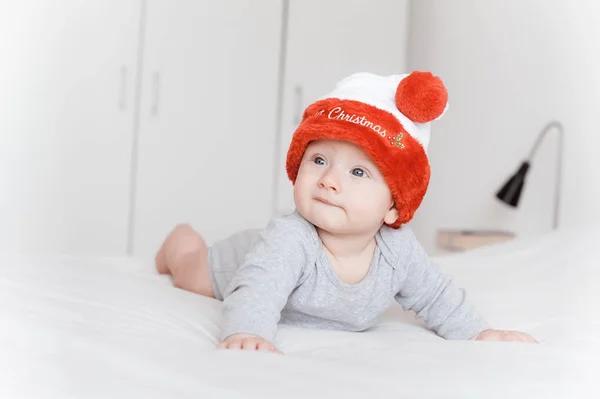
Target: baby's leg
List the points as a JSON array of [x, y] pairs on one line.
[[183, 255]]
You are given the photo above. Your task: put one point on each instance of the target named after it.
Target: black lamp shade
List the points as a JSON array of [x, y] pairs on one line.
[[511, 190]]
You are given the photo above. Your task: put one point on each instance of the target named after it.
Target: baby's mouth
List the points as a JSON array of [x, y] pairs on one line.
[[325, 201]]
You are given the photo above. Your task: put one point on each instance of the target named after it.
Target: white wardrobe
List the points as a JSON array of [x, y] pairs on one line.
[[119, 119], [67, 115], [207, 117]]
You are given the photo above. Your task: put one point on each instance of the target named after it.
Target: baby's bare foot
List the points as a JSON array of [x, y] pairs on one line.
[[161, 262], [183, 255]]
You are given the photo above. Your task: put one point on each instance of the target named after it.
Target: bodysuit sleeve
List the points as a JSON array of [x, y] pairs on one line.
[[433, 296], [258, 292]]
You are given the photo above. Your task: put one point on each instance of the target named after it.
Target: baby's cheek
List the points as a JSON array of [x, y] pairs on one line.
[[365, 210], [373, 202], [300, 189]]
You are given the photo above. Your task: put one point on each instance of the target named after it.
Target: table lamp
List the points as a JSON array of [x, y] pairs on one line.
[[510, 192]]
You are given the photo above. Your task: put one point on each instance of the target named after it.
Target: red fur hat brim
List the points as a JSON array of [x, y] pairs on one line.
[[406, 170]]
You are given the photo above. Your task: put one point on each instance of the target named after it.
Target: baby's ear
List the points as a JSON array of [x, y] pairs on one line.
[[422, 97], [391, 216]]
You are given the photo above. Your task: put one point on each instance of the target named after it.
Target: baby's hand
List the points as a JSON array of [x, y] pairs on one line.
[[504, 335], [247, 342]]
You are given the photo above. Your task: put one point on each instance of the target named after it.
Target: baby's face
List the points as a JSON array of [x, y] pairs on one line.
[[340, 190]]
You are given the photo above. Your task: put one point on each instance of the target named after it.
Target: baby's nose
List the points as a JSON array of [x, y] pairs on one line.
[[330, 181]]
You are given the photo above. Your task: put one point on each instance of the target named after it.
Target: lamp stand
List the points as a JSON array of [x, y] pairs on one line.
[[557, 189]]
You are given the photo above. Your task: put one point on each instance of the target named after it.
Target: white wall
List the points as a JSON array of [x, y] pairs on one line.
[[510, 67]]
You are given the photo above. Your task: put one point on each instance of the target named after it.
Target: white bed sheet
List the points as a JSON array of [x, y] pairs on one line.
[[90, 328]]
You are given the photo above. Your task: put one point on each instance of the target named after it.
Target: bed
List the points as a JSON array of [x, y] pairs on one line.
[[77, 327]]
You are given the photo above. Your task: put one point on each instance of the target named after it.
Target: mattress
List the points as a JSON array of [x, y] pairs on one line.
[[80, 327]]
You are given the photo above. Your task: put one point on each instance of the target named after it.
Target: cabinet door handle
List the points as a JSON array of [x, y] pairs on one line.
[[123, 89], [298, 115], [155, 93]]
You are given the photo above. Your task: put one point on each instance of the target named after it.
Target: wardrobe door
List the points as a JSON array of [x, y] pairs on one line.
[[208, 113], [327, 41], [66, 124]]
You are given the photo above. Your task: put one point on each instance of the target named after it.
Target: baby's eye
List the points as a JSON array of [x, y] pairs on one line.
[[358, 172], [319, 161]]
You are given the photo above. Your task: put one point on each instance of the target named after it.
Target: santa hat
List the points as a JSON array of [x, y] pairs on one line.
[[389, 117]]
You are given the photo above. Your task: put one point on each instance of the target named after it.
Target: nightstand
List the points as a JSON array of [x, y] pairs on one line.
[[463, 240]]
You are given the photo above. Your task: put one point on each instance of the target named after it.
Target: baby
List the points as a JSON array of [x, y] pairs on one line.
[[360, 170]]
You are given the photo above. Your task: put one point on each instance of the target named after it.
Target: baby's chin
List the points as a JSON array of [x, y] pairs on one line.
[[332, 221]]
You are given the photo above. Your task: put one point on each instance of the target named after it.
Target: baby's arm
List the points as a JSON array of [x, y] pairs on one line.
[[434, 298], [260, 289], [443, 306]]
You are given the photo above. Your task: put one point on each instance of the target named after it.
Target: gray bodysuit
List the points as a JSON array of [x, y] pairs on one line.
[[282, 275]]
